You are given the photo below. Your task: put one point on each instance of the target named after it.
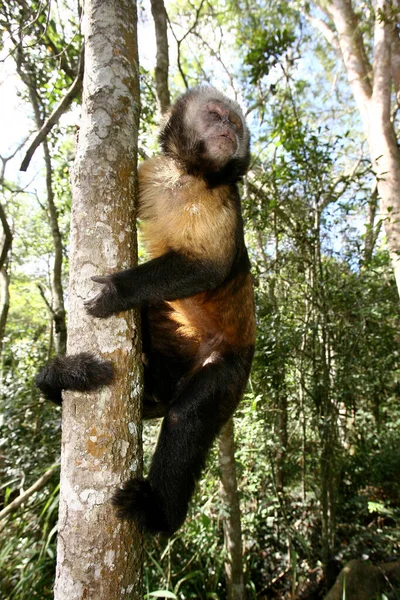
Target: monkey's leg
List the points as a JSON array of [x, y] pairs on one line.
[[205, 401]]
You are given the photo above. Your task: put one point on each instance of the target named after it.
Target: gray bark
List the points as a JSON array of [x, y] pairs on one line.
[[99, 557], [231, 521]]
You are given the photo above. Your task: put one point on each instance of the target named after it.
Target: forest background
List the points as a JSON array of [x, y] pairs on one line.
[[317, 433]]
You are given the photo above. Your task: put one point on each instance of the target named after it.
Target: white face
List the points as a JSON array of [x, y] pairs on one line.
[[219, 123]]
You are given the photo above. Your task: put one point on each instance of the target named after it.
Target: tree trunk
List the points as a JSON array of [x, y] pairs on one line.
[[57, 292], [372, 231], [56, 306], [4, 304], [99, 557], [371, 84], [231, 522], [5, 238], [5, 247], [161, 72], [282, 407]]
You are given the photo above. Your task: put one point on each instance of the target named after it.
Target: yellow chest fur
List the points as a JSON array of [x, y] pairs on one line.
[[179, 212]]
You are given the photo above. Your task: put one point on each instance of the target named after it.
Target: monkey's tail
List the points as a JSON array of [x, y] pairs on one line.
[[137, 500], [81, 372]]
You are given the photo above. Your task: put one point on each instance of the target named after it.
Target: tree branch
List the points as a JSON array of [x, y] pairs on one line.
[[382, 62], [326, 31], [47, 303], [41, 482], [60, 109], [7, 237], [179, 42], [353, 53]]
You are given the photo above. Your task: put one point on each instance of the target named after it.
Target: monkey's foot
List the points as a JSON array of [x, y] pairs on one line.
[[138, 502]]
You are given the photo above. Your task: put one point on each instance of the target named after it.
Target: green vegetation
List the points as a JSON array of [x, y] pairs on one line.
[[318, 431]]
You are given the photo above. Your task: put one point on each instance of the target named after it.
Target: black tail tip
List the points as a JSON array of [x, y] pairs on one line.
[[81, 372], [137, 501]]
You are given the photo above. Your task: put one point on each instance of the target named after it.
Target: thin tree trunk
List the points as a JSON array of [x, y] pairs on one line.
[[231, 522], [4, 304], [282, 407], [5, 247], [58, 310], [56, 307], [6, 238], [327, 409], [372, 230], [162, 65], [99, 557], [372, 87], [303, 438]]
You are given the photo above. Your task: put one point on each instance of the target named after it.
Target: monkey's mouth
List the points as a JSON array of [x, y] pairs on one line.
[[229, 136]]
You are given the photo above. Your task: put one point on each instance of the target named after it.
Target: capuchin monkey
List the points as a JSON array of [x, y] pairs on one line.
[[196, 298]]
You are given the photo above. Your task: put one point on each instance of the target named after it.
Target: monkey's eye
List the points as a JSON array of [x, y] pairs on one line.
[[215, 113]]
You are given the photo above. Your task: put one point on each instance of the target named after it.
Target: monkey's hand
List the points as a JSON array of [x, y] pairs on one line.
[[108, 301]]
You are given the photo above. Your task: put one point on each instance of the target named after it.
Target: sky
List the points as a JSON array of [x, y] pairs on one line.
[[15, 116]]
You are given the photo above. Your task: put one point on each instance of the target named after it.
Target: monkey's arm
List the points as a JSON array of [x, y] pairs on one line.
[[167, 277]]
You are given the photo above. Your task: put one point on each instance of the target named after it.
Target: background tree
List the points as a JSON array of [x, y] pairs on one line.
[[372, 59]]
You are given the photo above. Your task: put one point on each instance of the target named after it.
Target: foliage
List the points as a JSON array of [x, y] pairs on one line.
[[29, 439], [318, 446], [27, 552]]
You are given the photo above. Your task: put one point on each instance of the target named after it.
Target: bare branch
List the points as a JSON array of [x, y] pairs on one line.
[[41, 482], [326, 31], [7, 237], [217, 55], [47, 303], [179, 41], [60, 109]]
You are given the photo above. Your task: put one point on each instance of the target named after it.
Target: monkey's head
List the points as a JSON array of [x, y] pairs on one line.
[[207, 135]]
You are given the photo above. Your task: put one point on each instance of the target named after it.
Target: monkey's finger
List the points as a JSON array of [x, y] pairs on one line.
[[96, 307], [103, 279]]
